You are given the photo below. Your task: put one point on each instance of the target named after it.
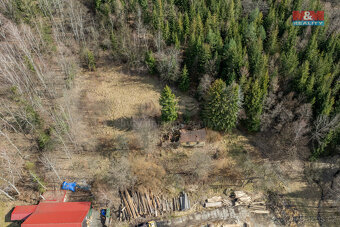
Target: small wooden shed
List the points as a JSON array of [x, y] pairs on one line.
[[194, 138]]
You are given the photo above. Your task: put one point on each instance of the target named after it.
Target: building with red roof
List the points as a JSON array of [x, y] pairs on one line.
[[65, 214], [22, 212]]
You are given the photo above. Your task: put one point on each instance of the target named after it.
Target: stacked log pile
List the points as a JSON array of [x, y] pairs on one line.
[[239, 198], [137, 204], [217, 201]]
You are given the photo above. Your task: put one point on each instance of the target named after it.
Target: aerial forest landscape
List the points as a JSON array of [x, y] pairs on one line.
[[157, 113]]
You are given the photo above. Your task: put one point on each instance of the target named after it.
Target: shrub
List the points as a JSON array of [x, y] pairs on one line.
[[213, 136], [150, 62], [44, 139], [89, 60], [148, 173], [200, 164], [120, 176], [31, 167]]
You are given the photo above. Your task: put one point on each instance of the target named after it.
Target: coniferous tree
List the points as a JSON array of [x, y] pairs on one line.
[[257, 61], [324, 100], [289, 62], [204, 55], [232, 61], [271, 19], [303, 77], [186, 26], [272, 44], [180, 29], [156, 23], [312, 50], [168, 103], [200, 27], [184, 79], [331, 45], [222, 106], [253, 105], [166, 33], [290, 41]]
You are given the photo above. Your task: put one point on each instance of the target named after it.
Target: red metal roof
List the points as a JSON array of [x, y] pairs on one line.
[[22, 212], [69, 214]]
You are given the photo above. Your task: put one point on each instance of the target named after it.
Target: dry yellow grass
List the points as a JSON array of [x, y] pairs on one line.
[[111, 95], [102, 105]]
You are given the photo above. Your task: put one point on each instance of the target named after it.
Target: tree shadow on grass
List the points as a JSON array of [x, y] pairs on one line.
[[8, 220], [122, 124]]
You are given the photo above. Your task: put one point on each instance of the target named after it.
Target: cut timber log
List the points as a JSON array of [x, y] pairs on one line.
[[242, 197], [131, 204], [213, 204], [260, 211], [148, 200], [136, 201], [128, 209], [141, 205], [214, 199], [146, 205]]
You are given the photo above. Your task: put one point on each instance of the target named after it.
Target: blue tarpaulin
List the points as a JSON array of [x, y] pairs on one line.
[[69, 186]]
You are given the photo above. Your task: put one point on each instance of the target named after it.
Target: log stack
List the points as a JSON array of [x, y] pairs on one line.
[[135, 204]]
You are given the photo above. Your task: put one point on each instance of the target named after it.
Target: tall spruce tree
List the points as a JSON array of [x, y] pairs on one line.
[[253, 104], [184, 82], [272, 44], [303, 77], [168, 103], [290, 63], [232, 61], [222, 106]]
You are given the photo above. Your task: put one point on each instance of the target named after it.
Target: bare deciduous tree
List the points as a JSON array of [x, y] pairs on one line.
[[10, 172], [168, 64], [322, 125], [204, 85]]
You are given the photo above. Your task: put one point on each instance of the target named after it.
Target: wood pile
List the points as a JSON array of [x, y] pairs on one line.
[[137, 204], [242, 198], [217, 201], [259, 208]]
